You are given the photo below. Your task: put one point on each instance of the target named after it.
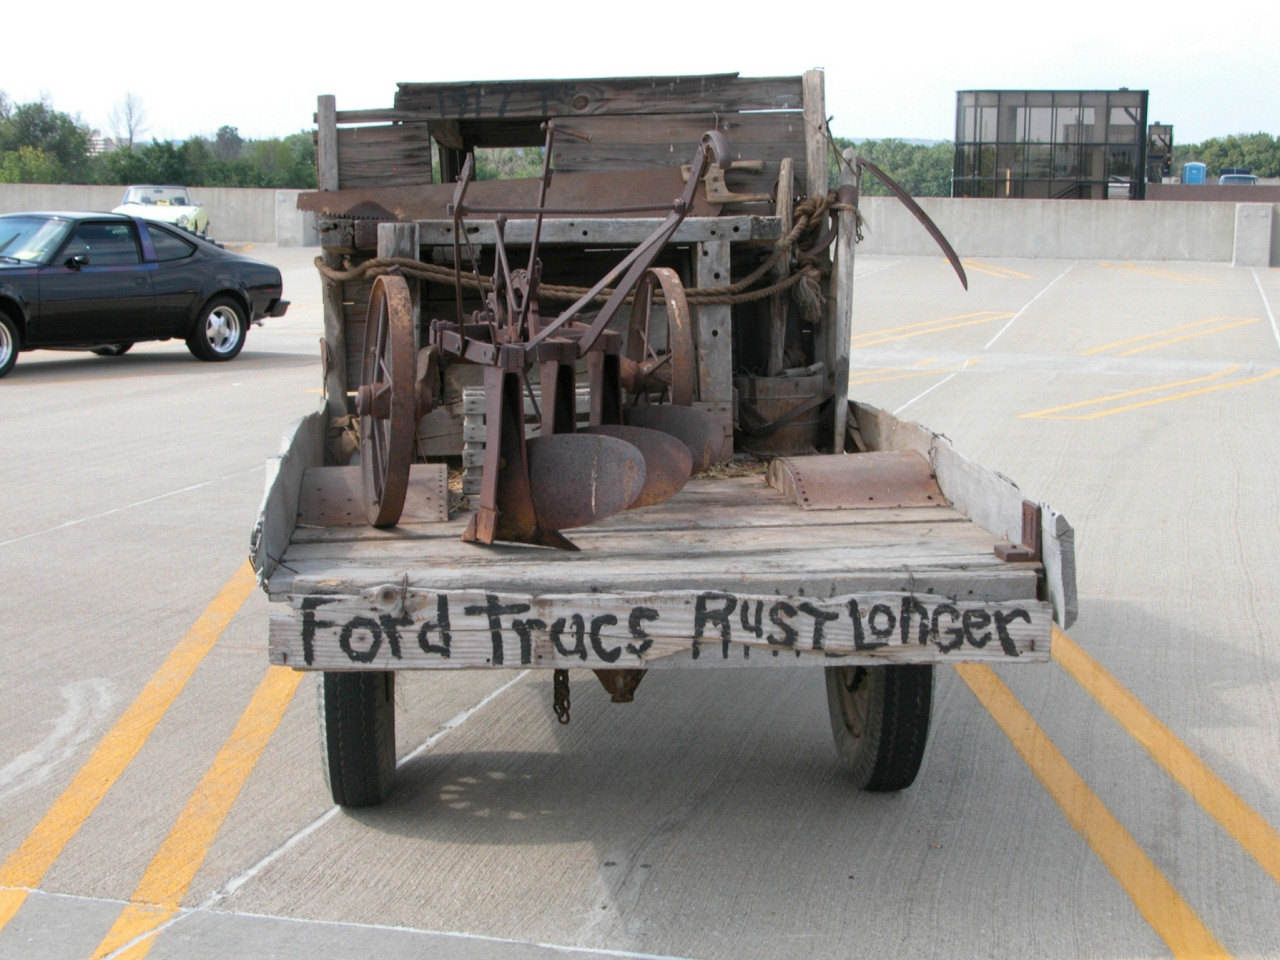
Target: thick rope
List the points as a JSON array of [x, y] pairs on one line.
[[808, 213]]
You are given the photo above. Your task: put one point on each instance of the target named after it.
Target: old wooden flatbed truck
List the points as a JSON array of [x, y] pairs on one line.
[[843, 539]]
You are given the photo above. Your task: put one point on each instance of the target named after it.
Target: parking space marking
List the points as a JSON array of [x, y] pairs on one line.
[[906, 373], [1246, 825], [1225, 323], [1157, 900], [27, 866], [1266, 305], [159, 894], [893, 334], [1162, 274], [1058, 413], [994, 270]]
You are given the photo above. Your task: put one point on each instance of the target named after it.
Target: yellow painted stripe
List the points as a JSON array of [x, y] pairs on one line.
[[1246, 825], [936, 329], [1169, 399], [920, 324], [995, 270], [168, 877], [1191, 336], [1154, 896], [1130, 393], [1148, 336], [1162, 274], [28, 864]]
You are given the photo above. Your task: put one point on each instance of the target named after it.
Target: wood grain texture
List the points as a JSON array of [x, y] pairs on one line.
[[301, 448]]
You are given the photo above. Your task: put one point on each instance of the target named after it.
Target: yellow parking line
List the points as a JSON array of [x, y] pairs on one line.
[[1046, 413], [159, 894], [1111, 411], [1246, 825], [917, 326], [1155, 897], [27, 866], [936, 328], [1148, 336], [993, 270], [1192, 336], [1162, 274]]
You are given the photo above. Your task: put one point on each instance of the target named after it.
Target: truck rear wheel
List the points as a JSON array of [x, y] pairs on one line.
[[880, 722], [358, 735]]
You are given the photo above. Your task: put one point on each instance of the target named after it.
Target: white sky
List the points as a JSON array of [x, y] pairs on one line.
[[890, 72]]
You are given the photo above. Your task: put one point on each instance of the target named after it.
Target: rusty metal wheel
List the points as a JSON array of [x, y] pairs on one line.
[[387, 400], [667, 366]]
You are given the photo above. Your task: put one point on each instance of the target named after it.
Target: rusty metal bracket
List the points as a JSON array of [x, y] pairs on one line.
[[1029, 549]]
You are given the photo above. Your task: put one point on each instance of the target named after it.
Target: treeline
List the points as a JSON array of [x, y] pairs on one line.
[[39, 144], [1258, 152]]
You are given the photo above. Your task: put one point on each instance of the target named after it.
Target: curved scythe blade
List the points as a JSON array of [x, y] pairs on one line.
[[919, 214]]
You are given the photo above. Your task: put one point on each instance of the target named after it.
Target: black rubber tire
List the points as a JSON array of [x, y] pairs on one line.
[[219, 332], [880, 722], [9, 341], [113, 349], [357, 714]]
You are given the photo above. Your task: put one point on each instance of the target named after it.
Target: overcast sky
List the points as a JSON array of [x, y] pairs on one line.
[[890, 72]]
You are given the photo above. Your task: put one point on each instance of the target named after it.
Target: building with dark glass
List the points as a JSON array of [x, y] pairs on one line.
[[1051, 144]]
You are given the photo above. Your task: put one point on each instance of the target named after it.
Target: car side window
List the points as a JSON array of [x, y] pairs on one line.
[[169, 247], [105, 244]]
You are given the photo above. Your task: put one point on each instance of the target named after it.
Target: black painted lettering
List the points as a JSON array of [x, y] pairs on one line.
[[974, 620], [720, 618], [820, 620], [1002, 629], [439, 625], [579, 648], [524, 630], [911, 607], [956, 633], [604, 620], [887, 620], [495, 611], [788, 632], [357, 626], [634, 623], [310, 624], [756, 629], [860, 637]]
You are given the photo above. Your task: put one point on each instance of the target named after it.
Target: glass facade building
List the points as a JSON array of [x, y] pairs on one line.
[[1051, 144]]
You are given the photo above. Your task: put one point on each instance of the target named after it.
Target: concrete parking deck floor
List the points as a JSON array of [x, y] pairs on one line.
[[1120, 801]]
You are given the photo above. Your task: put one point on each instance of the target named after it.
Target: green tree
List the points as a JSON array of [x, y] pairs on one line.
[[29, 165], [923, 170], [56, 134]]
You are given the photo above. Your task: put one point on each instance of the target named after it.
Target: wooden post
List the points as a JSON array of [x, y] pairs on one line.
[[327, 142], [842, 297], [401, 240], [779, 303], [815, 173], [715, 337]]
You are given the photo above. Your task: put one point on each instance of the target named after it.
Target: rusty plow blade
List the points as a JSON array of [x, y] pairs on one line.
[[696, 429], [577, 479], [667, 461]]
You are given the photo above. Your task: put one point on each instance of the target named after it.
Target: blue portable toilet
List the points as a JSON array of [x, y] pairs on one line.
[[1193, 172]]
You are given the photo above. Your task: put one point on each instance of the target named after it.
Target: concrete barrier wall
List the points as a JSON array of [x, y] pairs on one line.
[[235, 213], [1066, 229], [1061, 229]]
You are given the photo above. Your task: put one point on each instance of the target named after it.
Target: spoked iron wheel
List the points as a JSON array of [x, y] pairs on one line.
[[669, 370], [386, 401]]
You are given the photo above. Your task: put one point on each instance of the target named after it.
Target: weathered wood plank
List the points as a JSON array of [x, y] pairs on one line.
[[384, 155], [540, 99], [301, 448], [990, 499], [393, 626], [326, 142], [333, 497], [815, 135], [602, 231], [841, 321], [780, 303], [714, 329]]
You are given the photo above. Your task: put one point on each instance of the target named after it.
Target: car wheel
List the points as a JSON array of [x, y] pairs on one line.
[[219, 333], [8, 343], [113, 349]]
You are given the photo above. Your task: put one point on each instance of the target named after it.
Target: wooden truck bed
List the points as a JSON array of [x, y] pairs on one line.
[[728, 572]]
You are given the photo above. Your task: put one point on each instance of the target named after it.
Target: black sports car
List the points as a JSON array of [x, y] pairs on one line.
[[102, 282]]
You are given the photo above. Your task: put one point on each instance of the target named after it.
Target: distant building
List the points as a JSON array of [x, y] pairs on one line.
[[1055, 144]]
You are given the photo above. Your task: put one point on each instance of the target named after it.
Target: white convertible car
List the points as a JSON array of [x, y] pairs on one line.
[[166, 204]]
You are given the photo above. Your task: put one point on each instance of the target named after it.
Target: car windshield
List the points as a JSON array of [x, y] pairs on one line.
[[30, 238], [1245, 178], [161, 196]]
